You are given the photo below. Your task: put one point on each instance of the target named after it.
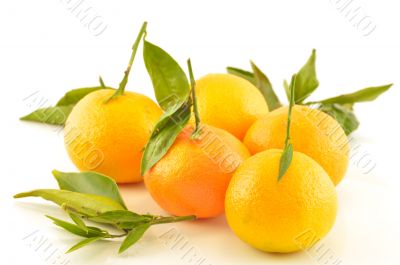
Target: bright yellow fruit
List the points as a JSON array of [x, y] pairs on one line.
[[229, 102], [285, 216], [109, 137], [313, 133]]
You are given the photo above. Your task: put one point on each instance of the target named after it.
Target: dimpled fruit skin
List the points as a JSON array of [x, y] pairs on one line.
[[191, 179], [313, 133], [109, 137], [229, 102], [284, 216]]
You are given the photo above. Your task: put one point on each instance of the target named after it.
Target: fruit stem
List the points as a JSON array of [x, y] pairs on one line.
[[122, 85], [196, 131], [172, 219], [291, 103], [102, 84], [287, 153], [116, 236]]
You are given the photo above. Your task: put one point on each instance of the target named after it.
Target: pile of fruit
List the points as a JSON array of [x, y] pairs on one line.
[[223, 143]]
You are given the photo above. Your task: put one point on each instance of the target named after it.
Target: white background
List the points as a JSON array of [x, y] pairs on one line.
[[45, 49]]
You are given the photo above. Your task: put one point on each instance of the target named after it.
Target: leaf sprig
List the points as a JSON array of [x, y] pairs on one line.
[[171, 88], [339, 107], [175, 96], [95, 197]]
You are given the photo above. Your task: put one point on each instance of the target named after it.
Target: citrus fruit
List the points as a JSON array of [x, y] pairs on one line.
[[109, 137], [284, 216], [229, 102], [313, 133], [192, 177]]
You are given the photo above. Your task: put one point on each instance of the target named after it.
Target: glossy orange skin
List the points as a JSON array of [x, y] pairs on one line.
[[229, 102], [280, 216], [312, 132], [191, 179], [109, 137]]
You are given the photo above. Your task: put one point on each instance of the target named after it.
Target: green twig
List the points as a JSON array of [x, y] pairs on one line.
[[197, 130], [291, 103], [122, 85], [116, 236], [172, 219]]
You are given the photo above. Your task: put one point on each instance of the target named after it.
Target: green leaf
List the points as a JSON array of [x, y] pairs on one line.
[[90, 183], [261, 81], [75, 95], [164, 135], [119, 216], [363, 95], [122, 84], [249, 76], [78, 221], [286, 86], [170, 83], [58, 114], [285, 161], [76, 230], [83, 243], [344, 116], [52, 115], [306, 80], [264, 85], [133, 236], [86, 204]]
